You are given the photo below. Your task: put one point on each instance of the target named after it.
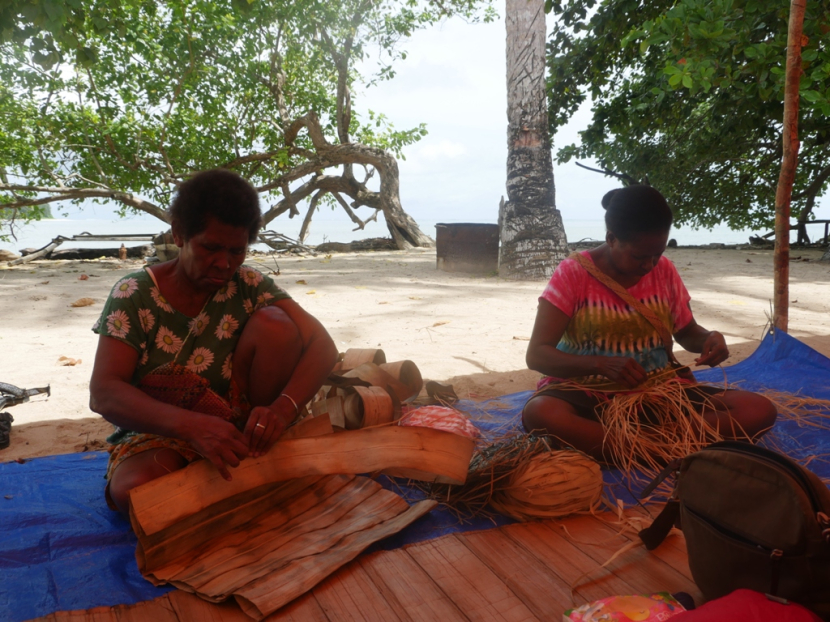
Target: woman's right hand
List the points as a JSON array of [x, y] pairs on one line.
[[218, 441], [622, 370]]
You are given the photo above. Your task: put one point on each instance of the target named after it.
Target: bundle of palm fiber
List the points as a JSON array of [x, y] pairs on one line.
[[647, 428], [524, 478]]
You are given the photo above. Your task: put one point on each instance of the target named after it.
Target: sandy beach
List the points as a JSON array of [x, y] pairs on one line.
[[468, 330]]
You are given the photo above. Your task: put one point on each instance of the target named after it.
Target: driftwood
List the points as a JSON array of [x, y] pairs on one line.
[[163, 502], [42, 252], [369, 244], [135, 252]]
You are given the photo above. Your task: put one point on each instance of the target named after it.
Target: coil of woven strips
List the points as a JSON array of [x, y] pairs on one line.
[[524, 478]]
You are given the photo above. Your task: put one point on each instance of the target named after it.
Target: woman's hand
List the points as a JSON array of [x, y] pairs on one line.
[[119, 402], [218, 441], [622, 370], [714, 350], [266, 424]]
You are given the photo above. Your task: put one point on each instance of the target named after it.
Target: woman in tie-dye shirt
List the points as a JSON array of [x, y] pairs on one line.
[[590, 344]]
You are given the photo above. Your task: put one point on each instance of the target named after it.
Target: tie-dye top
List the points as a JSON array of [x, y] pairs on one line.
[[139, 315], [602, 324]]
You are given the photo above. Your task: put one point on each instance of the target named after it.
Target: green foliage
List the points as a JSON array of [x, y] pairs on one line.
[[136, 95], [689, 95]]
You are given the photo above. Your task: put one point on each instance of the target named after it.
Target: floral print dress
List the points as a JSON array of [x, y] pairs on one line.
[[138, 314]]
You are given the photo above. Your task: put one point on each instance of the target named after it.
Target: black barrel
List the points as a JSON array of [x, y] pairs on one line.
[[467, 247]]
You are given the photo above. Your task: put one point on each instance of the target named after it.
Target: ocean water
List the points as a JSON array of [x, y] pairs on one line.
[[40, 233]]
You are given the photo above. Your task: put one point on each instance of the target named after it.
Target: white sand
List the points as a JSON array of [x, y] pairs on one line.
[[449, 324]]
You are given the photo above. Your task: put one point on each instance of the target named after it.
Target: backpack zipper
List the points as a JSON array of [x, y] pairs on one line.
[[775, 555]]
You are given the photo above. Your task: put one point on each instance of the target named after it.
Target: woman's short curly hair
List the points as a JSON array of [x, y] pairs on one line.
[[219, 193], [636, 209]]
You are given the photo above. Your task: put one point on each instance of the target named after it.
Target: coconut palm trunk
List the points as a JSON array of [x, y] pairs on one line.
[[533, 238]]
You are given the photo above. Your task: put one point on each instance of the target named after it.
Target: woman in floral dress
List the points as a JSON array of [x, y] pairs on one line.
[[201, 356]]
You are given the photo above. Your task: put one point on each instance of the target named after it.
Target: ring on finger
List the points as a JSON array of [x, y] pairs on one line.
[[259, 425]]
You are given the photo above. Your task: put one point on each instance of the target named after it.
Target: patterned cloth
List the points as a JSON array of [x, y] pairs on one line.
[[604, 325], [137, 314], [177, 385]]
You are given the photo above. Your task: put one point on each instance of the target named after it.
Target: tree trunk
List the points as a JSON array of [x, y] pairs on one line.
[[402, 227], [789, 161], [533, 238]]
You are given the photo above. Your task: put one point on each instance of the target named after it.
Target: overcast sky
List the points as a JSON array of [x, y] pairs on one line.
[[453, 79]]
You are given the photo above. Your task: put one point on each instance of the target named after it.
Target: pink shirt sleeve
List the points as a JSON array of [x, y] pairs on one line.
[[565, 287]]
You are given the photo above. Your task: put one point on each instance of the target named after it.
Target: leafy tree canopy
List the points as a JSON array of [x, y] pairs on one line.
[[688, 94], [123, 99]]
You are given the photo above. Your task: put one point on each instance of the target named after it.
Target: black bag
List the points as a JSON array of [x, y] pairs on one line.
[[752, 519]]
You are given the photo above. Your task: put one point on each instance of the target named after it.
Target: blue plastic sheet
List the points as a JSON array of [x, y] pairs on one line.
[[61, 547]]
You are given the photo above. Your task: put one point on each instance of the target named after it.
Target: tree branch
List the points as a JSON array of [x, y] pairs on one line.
[[66, 194], [309, 214], [311, 122], [815, 185], [610, 173], [361, 224]]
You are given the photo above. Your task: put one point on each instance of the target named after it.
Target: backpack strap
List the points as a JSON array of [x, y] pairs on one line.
[[653, 535]]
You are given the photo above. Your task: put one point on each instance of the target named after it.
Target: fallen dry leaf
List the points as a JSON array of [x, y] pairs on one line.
[[383, 302], [44, 282], [311, 291], [439, 324], [83, 302], [83, 277], [68, 361], [520, 339], [415, 298], [301, 282]]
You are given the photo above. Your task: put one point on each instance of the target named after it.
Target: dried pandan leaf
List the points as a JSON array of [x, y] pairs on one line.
[[83, 302], [524, 477], [549, 485]]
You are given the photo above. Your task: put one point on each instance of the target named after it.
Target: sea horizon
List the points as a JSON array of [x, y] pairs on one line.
[[38, 234]]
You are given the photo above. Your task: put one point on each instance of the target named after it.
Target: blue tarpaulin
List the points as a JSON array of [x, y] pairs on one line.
[[61, 547]]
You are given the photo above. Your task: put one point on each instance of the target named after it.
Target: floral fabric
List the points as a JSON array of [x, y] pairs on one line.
[[602, 324], [137, 314]]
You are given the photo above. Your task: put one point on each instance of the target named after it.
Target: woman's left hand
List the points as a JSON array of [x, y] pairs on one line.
[[714, 350], [266, 424]]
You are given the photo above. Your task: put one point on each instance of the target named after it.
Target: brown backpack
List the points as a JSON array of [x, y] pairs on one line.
[[752, 519]]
